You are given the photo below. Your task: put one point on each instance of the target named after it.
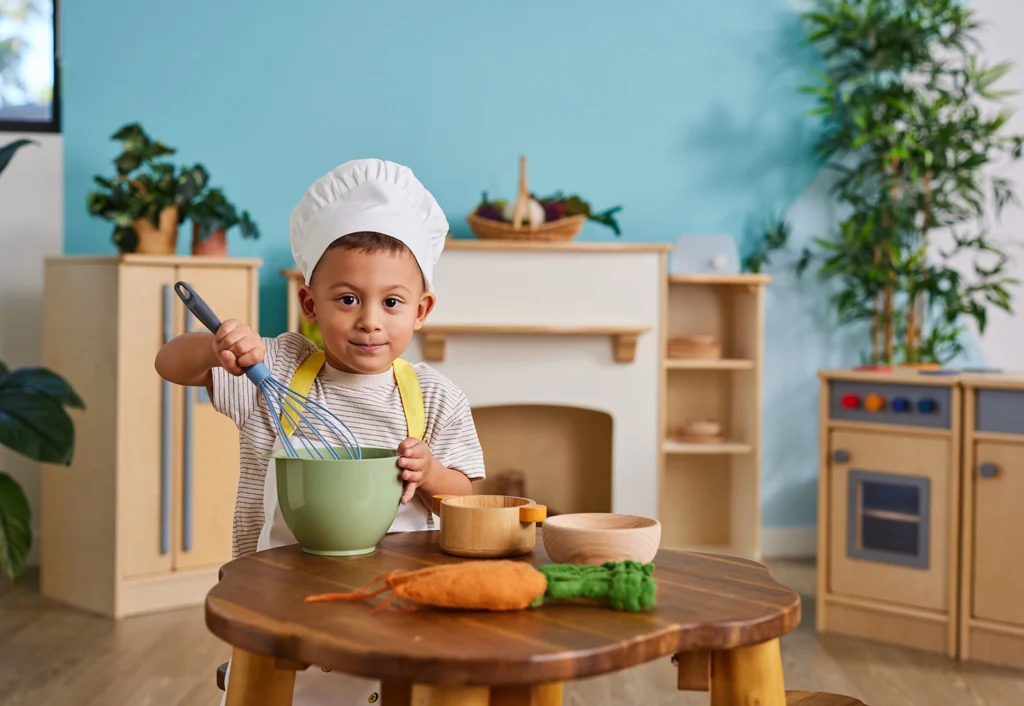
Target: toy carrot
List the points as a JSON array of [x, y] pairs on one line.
[[509, 585]]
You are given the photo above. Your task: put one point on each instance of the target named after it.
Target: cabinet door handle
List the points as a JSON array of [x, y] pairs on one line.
[[187, 465], [988, 470], [841, 456], [165, 436]]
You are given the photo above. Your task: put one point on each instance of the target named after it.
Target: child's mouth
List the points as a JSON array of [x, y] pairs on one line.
[[368, 347]]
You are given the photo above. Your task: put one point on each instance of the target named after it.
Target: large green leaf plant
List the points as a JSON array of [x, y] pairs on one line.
[[35, 424], [913, 126]]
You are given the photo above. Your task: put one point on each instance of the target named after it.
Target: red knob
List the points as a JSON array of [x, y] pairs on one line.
[[850, 401]]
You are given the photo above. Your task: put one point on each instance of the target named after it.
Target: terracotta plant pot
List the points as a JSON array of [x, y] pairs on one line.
[[216, 245], [159, 240]]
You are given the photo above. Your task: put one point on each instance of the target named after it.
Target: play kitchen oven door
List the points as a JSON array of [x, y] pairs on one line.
[[889, 505]]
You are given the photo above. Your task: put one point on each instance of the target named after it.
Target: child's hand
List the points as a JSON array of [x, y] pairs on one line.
[[237, 346], [418, 463]]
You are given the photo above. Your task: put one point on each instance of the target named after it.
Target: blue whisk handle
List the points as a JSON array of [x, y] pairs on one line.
[[202, 311], [197, 306]]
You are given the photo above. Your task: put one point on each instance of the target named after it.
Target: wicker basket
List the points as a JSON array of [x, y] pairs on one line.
[[560, 230]]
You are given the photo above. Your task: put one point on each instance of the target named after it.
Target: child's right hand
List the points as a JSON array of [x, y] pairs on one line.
[[237, 346]]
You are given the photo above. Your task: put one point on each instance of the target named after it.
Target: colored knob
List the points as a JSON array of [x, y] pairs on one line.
[[988, 470], [926, 405], [873, 402], [850, 401], [900, 404]]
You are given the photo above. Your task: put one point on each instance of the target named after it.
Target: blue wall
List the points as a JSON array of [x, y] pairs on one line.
[[686, 114]]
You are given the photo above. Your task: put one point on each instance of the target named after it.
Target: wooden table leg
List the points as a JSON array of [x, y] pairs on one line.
[[748, 676], [538, 695], [255, 680], [436, 695], [395, 693], [693, 670]]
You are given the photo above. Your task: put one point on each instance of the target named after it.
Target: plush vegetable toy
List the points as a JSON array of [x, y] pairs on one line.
[[509, 585]]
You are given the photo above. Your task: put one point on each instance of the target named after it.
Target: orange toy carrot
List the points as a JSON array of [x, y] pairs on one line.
[[508, 585]]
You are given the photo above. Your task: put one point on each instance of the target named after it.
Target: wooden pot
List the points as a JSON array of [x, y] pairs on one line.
[[488, 526], [214, 246], [161, 239]]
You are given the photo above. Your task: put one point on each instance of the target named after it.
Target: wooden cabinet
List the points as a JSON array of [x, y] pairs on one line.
[[142, 519], [992, 580], [888, 508]]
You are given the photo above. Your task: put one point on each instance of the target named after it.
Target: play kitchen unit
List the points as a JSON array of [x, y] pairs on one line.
[[141, 520], [992, 570], [916, 499]]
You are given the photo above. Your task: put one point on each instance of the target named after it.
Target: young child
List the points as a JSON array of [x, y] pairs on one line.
[[366, 237]]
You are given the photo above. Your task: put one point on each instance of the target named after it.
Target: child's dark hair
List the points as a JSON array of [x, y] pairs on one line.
[[370, 242], [373, 242]]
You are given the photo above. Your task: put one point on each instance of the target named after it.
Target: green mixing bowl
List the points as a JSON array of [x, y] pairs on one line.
[[339, 508]]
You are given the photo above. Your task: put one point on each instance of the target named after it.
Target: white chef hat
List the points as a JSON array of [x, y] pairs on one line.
[[368, 195]]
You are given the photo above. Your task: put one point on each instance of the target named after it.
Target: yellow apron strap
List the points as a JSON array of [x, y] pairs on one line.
[[412, 398], [302, 383], [405, 376]]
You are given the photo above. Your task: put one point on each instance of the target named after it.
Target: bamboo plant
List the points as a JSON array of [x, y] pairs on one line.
[[913, 125]]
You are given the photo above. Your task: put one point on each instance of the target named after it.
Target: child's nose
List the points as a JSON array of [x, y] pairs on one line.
[[369, 319]]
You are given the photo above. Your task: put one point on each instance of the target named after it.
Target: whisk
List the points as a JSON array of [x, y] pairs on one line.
[[281, 400]]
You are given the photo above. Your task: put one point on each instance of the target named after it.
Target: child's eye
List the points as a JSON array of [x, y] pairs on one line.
[[347, 299], [391, 302]]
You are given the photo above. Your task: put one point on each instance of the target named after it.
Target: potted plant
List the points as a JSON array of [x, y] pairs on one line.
[[34, 423], [909, 129], [212, 215], [146, 198]]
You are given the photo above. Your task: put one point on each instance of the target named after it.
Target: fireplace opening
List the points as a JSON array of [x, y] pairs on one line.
[[559, 456]]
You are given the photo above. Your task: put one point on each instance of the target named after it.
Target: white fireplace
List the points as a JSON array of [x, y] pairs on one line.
[[528, 329]]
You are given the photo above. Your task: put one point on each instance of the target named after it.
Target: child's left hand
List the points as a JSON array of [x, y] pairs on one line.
[[417, 463]]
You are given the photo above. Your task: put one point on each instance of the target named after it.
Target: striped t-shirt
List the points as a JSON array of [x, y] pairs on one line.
[[371, 407]]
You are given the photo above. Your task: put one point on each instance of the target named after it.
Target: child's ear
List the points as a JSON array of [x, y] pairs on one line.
[[306, 303], [427, 302]]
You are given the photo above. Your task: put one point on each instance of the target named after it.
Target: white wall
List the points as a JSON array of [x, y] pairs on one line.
[[1001, 39], [31, 228]]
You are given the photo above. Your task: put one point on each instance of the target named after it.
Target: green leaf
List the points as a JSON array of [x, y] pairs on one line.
[[33, 421], [8, 150], [47, 382], [15, 528]]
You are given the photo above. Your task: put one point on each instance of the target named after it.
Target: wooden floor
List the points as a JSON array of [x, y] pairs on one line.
[[56, 656]]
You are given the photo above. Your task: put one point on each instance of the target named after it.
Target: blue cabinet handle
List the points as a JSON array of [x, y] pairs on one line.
[[165, 436], [988, 470], [186, 489], [841, 456]]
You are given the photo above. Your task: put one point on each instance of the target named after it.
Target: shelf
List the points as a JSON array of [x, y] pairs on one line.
[[741, 279], [708, 364], [729, 447], [624, 338], [451, 243]]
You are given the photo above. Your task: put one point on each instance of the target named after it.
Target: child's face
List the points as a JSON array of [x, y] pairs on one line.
[[368, 306]]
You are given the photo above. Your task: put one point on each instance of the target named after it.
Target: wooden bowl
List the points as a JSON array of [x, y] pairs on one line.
[[597, 537], [488, 526]]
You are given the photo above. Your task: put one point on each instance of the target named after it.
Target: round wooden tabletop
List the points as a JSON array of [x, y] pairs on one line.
[[704, 602]]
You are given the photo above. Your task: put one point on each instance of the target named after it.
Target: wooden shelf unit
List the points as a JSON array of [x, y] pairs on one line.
[[709, 494]]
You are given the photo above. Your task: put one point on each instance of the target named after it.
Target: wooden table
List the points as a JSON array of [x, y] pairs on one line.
[[720, 617]]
